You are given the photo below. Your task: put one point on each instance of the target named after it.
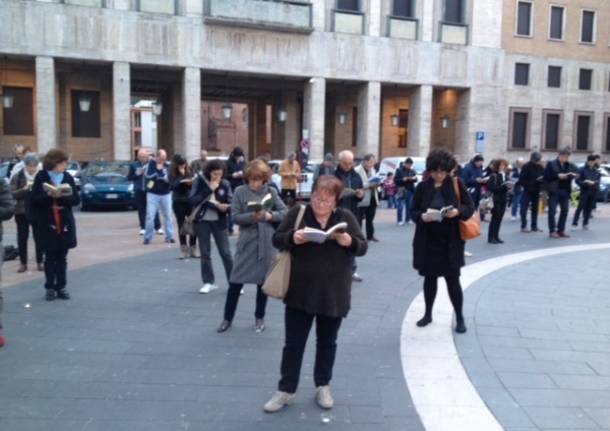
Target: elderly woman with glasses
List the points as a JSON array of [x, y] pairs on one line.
[[319, 288]]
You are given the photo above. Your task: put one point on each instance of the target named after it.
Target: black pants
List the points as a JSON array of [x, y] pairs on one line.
[[497, 214], [455, 294], [140, 200], [297, 325], [527, 199], [585, 205], [561, 198], [204, 231], [182, 211], [23, 232], [367, 214], [289, 196], [233, 298], [55, 268]]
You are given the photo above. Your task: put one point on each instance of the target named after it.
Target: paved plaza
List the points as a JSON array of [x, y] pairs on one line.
[[136, 347]]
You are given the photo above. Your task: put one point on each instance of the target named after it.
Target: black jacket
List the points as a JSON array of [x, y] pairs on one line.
[[591, 174], [159, 178], [42, 207], [201, 190], [350, 180], [234, 166], [498, 188], [320, 274], [181, 192], [7, 207], [402, 176], [424, 192], [551, 176], [21, 194], [530, 177]]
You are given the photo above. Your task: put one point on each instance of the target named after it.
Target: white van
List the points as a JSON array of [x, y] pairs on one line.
[[390, 164]]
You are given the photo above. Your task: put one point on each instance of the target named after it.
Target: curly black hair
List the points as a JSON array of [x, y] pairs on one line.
[[440, 159], [211, 166]]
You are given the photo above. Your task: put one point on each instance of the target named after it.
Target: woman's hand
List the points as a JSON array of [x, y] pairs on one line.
[[426, 218], [214, 185], [299, 237], [452, 213], [343, 239], [222, 207], [182, 170], [359, 193], [260, 216], [268, 216]]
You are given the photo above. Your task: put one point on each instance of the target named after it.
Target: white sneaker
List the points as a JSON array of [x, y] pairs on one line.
[[411, 222], [241, 292], [160, 232], [207, 288], [401, 223], [513, 218], [278, 400], [467, 254], [324, 398], [142, 232]]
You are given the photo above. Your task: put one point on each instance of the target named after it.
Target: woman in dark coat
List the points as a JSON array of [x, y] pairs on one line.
[[55, 220], [319, 288], [180, 182], [438, 249], [499, 186]]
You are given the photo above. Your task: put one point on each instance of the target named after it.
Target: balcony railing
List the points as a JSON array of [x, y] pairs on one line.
[[348, 22], [402, 27], [90, 3], [281, 15], [454, 33]]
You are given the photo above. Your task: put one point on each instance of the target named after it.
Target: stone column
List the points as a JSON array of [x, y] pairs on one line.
[[374, 18], [319, 15], [314, 106], [121, 110], [46, 121], [425, 11], [286, 135], [420, 121], [191, 113], [369, 117]]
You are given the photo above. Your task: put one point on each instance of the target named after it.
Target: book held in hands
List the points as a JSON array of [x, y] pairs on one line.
[[265, 204], [438, 215], [320, 236], [64, 189]]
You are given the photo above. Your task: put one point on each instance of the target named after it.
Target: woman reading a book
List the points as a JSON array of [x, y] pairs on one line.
[[181, 181], [438, 249], [499, 185], [53, 196], [319, 287], [256, 206]]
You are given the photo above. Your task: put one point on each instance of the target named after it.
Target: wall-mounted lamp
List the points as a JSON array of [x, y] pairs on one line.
[[342, 117], [282, 115], [444, 122], [395, 120], [227, 111], [84, 103], [7, 100], [157, 108]]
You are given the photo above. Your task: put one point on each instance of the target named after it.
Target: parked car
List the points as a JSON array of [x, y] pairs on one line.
[[390, 164], [305, 182], [105, 185], [73, 169]]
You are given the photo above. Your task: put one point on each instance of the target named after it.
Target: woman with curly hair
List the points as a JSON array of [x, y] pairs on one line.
[[181, 182], [438, 249]]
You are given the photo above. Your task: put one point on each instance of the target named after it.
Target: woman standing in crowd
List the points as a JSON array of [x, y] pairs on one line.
[[499, 186], [254, 252], [211, 198], [181, 181], [57, 229], [21, 188], [367, 208], [236, 164], [438, 249], [319, 289]]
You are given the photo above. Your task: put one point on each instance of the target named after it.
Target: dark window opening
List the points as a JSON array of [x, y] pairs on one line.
[[85, 124], [19, 118], [454, 11], [355, 126], [554, 79], [519, 138], [524, 18], [588, 26], [582, 132], [585, 78], [403, 8], [351, 5], [522, 72], [551, 133], [556, 28]]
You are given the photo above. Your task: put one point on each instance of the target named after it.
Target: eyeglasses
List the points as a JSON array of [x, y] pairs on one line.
[[327, 202]]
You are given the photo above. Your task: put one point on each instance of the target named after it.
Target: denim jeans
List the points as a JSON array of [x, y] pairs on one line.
[[391, 202], [405, 203], [163, 204], [561, 198], [204, 231], [529, 199], [516, 202]]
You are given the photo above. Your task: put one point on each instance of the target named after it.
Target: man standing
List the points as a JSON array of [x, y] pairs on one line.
[[558, 176], [290, 171], [474, 179], [198, 165], [7, 210], [517, 188], [327, 167], [352, 194], [530, 179], [405, 179], [136, 176], [158, 196], [367, 208], [588, 180]]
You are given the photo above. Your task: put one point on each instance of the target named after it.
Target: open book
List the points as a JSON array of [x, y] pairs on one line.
[[438, 215], [374, 180], [64, 188], [319, 236], [187, 181], [265, 204]]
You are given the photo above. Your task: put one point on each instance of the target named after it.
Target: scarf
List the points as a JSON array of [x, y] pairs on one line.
[[56, 177]]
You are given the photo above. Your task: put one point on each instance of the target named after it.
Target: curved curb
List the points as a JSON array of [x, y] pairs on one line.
[[442, 393]]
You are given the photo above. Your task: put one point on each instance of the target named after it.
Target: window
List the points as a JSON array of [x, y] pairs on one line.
[[403, 125], [524, 18], [587, 26], [352, 5], [403, 8], [522, 73], [454, 11], [85, 123], [585, 78], [607, 133], [158, 6], [556, 23], [19, 118], [552, 129], [354, 126], [519, 129], [554, 78], [583, 131]]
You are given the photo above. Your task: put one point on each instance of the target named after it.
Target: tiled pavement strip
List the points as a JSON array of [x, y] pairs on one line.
[[136, 349]]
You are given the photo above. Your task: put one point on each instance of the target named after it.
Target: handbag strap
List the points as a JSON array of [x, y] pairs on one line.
[[456, 189], [299, 219]]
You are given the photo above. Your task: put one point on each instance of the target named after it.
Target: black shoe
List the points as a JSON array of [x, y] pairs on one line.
[[50, 295], [170, 241], [499, 241], [492, 241], [63, 294], [224, 326], [424, 321], [460, 327]]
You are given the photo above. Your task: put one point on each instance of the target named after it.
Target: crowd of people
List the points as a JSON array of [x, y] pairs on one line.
[[209, 197]]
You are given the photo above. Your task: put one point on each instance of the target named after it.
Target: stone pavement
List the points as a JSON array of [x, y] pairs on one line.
[[136, 347]]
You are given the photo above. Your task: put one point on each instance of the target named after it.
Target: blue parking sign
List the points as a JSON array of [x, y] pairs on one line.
[[480, 143]]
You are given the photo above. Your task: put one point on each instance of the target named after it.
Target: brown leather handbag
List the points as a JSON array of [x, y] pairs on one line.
[[471, 228]]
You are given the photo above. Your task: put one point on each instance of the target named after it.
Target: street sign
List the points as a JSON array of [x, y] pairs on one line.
[[479, 147]]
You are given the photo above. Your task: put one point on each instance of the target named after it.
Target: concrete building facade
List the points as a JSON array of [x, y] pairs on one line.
[[391, 77]]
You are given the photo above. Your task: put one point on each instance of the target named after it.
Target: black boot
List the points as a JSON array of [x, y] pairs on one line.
[[424, 321], [63, 294], [460, 326], [50, 295]]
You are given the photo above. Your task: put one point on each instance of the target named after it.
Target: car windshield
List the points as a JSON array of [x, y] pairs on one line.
[[108, 170], [72, 166]]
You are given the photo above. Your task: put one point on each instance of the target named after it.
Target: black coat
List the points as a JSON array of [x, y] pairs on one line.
[[234, 166], [424, 247], [321, 274], [201, 190], [350, 180], [498, 189], [42, 207], [530, 177]]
